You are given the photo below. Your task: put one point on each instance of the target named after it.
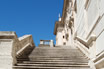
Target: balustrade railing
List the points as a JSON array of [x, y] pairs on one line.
[[46, 43], [87, 45]]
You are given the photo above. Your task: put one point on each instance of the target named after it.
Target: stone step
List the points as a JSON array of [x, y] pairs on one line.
[[59, 52], [45, 50], [54, 58], [52, 65], [52, 50], [51, 59], [56, 49], [61, 47], [64, 63], [57, 55], [56, 52], [80, 61], [34, 67]]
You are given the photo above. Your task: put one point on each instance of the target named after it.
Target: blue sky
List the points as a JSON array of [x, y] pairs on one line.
[[36, 17]]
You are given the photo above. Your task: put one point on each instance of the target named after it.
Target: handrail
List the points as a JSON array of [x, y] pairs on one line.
[[19, 43], [86, 42], [24, 42], [21, 51], [26, 39], [98, 61], [82, 48], [84, 45]]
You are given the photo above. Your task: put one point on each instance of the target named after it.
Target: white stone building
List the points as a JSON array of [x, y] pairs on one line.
[[82, 25]]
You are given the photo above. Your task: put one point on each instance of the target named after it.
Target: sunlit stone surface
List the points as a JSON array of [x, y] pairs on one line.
[[79, 41]]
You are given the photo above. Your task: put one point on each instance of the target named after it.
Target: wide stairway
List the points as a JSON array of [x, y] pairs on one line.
[[54, 58]]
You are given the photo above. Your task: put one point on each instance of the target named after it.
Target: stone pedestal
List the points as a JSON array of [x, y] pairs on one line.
[[51, 43], [7, 58], [41, 42]]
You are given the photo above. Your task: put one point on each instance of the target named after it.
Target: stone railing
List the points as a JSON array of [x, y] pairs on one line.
[[11, 47], [24, 41], [44, 43], [87, 46], [83, 48]]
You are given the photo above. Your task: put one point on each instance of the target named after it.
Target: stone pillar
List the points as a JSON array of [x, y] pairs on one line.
[[51, 43], [6, 59], [41, 42], [6, 50]]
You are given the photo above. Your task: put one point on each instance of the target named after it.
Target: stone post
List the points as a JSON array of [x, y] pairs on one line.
[[51, 43], [41, 42]]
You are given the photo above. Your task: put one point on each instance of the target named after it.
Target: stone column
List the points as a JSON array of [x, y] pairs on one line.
[[41, 42], [51, 43]]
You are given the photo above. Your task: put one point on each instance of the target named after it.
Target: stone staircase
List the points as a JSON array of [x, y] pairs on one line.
[[53, 58]]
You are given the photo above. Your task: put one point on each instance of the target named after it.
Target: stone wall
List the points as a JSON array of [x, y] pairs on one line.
[[80, 19], [89, 20]]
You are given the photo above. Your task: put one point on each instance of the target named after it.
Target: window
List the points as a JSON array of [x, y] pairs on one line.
[[63, 36]]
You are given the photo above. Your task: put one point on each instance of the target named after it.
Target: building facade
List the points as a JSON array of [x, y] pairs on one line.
[[82, 25], [64, 28]]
